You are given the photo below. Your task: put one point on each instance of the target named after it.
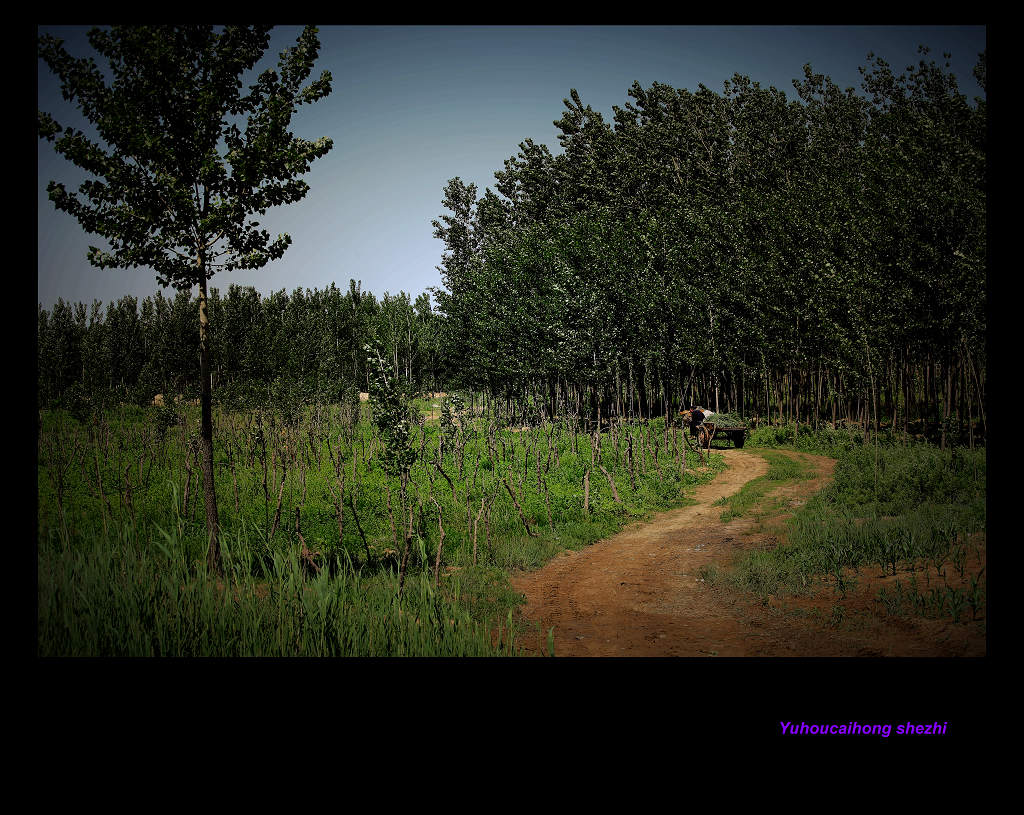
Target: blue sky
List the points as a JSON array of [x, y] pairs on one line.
[[413, 106]]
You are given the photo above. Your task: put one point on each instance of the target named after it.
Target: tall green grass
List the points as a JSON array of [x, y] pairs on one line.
[[890, 509], [144, 478], [144, 598], [121, 552]]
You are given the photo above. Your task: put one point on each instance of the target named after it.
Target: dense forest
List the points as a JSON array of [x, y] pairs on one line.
[[812, 259], [808, 259]]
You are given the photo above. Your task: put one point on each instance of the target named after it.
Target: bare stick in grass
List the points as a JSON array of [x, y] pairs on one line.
[[629, 459], [440, 543], [391, 513], [188, 484], [280, 494], [515, 501], [340, 473], [99, 481], [314, 448], [234, 481], [307, 557], [359, 528], [611, 482], [405, 553], [440, 469], [527, 448], [128, 493], [302, 477], [476, 523], [487, 527], [547, 506]]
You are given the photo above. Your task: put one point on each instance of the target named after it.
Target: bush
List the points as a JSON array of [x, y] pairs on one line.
[[907, 477], [77, 402], [164, 418]]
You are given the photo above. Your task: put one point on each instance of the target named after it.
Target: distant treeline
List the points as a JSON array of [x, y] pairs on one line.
[[307, 341]]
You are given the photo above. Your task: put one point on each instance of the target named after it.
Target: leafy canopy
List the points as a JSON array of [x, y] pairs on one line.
[[176, 179]]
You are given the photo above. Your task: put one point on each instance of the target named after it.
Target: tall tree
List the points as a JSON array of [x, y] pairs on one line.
[[176, 179]]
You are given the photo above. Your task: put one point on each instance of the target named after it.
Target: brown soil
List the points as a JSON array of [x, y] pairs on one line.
[[640, 592]]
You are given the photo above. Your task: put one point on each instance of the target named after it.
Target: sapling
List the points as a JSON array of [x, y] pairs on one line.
[[391, 513], [611, 483], [476, 523], [234, 481], [960, 559], [547, 505], [180, 182], [359, 528], [955, 601], [976, 597], [391, 410], [519, 508]]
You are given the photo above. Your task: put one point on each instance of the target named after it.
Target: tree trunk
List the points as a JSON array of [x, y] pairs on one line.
[[213, 559]]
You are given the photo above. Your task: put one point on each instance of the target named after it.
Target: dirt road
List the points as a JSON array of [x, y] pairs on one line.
[[639, 593]]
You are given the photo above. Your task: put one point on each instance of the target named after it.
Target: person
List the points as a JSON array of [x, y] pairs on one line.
[[699, 415], [696, 418]]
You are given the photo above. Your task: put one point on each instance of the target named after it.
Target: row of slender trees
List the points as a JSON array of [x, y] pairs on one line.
[[312, 340], [808, 259]]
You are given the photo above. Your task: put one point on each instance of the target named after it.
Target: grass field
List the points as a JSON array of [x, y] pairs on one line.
[[896, 509], [314, 530]]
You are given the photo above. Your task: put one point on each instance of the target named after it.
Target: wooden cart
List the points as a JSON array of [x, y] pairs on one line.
[[737, 434], [710, 430]]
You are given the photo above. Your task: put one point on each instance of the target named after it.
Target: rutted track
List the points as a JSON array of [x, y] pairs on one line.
[[639, 593]]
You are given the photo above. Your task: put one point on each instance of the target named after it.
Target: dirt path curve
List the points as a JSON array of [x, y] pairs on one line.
[[639, 592]]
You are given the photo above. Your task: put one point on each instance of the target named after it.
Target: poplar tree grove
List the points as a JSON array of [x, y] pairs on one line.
[[809, 259]]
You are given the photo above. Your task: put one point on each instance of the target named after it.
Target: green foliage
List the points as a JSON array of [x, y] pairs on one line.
[[165, 417], [905, 478], [78, 402], [392, 416], [824, 441], [934, 602], [454, 420], [147, 600], [728, 420], [173, 183], [264, 350], [740, 245], [164, 119], [780, 468]]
